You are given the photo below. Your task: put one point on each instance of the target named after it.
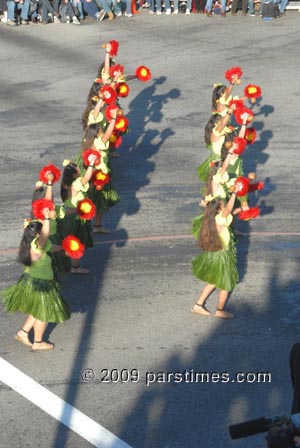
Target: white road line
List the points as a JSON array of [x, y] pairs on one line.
[[62, 411]]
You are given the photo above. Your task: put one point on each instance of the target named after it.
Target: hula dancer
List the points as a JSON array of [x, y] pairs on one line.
[[73, 191], [36, 293], [216, 265]]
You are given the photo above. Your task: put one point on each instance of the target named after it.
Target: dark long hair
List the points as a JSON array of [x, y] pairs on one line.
[[209, 127], [216, 95], [30, 232], [209, 238], [213, 170], [85, 114], [90, 135], [69, 174]]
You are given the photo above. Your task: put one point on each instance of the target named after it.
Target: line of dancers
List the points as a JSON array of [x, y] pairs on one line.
[[56, 236], [225, 195]]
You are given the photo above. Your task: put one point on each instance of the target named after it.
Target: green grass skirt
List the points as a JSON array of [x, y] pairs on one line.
[[204, 169], [217, 268], [104, 199], [73, 225], [61, 263], [40, 298]]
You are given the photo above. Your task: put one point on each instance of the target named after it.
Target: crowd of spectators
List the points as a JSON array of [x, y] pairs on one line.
[[23, 12]]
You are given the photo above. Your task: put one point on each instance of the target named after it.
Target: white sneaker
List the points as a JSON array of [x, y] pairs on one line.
[[119, 14], [100, 15], [188, 12], [4, 18], [151, 12], [56, 19], [75, 21], [158, 13], [168, 11], [128, 14], [175, 11]]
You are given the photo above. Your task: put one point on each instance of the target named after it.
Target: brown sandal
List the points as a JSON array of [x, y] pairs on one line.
[[201, 310], [24, 341], [48, 346]]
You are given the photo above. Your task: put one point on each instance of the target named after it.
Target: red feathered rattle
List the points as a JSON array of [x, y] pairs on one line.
[[39, 205], [252, 213], [114, 69], [73, 246], [238, 115], [250, 135], [239, 145], [108, 94], [122, 89], [108, 111], [86, 157], [234, 72], [115, 140], [114, 47], [49, 173], [252, 92], [143, 73], [244, 186], [100, 179], [86, 209], [236, 104], [121, 124]]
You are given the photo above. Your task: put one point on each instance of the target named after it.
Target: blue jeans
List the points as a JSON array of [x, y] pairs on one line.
[[103, 4], [251, 7], [188, 4], [78, 5], [158, 5], [90, 8], [24, 7], [209, 3], [282, 6], [118, 6]]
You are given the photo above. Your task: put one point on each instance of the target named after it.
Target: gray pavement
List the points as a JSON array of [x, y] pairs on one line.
[[133, 311]]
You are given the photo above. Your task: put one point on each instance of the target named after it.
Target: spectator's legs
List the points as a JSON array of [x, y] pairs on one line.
[[77, 4], [282, 6], [251, 7], [24, 7], [90, 8], [10, 10], [208, 7]]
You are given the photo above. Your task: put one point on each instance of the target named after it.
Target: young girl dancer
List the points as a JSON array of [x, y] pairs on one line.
[[36, 293], [216, 265], [73, 189]]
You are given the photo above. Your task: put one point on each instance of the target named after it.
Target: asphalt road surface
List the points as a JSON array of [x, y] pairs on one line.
[[129, 355]]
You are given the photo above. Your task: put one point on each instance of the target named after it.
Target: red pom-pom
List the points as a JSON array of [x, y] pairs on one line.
[[250, 135], [100, 179], [108, 111], [114, 69], [109, 95], [114, 47], [242, 185], [86, 209], [39, 205], [73, 246], [233, 71], [256, 186], [236, 104], [252, 91], [115, 140], [252, 213], [121, 123], [49, 169], [240, 145], [239, 112], [122, 89], [86, 157], [143, 73]]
